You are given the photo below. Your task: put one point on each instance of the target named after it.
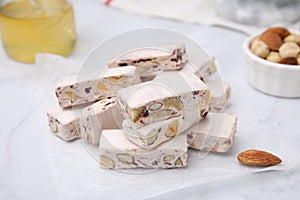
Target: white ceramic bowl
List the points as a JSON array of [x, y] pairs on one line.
[[271, 78]]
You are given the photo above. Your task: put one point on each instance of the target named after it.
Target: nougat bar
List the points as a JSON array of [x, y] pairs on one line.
[[64, 123], [170, 94], [116, 152], [70, 91], [213, 133], [154, 134], [152, 59], [195, 106], [99, 116], [220, 94]]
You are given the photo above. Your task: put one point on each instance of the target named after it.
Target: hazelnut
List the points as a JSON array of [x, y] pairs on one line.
[[259, 48], [274, 57], [289, 50], [292, 38]]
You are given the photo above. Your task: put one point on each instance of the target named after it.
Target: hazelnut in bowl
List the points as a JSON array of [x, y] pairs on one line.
[[273, 62]]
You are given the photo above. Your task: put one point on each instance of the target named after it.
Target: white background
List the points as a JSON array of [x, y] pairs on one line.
[[25, 168]]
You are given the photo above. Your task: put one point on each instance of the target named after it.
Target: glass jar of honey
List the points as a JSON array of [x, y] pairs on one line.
[[36, 26]]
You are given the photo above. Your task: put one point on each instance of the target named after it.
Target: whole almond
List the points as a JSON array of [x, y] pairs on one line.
[[281, 31], [258, 158], [289, 61], [273, 40]]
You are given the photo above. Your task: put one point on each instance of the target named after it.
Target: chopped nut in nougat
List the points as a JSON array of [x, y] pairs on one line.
[[150, 139], [64, 123], [260, 48], [274, 57], [116, 152], [172, 129], [289, 50], [71, 91], [99, 116], [163, 98], [125, 158], [194, 95], [135, 113], [169, 158], [219, 95], [214, 133], [154, 134], [106, 162]]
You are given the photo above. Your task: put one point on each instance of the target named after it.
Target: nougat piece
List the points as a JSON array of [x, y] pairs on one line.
[[64, 123], [195, 95], [203, 71], [70, 91], [214, 133], [99, 116], [152, 135], [152, 59], [170, 94], [116, 152], [220, 93]]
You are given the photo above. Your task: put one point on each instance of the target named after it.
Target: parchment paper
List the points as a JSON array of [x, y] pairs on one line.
[[79, 176]]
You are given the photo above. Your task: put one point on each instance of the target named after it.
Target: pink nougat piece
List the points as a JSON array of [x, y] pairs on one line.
[[214, 133], [152, 59], [73, 90], [116, 152], [170, 94], [101, 115], [64, 123]]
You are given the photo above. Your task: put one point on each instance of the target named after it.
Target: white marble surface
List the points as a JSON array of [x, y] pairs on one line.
[[26, 171]]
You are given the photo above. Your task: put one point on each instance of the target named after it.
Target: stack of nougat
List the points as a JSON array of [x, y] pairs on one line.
[[148, 108]]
